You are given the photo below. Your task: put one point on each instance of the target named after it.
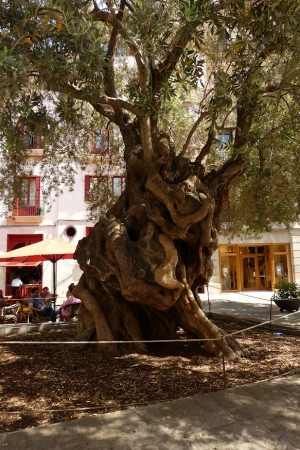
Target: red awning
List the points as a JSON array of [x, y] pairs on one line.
[[20, 264]]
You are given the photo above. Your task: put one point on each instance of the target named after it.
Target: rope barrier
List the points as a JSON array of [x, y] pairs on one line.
[[91, 408], [151, 341]]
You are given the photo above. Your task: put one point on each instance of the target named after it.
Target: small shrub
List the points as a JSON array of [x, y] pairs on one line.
[[287, 290]]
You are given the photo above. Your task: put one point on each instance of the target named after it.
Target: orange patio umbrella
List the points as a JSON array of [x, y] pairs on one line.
[[48, 250]]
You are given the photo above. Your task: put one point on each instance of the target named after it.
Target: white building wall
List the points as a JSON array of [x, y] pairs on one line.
[[295, 249], [69, 209]]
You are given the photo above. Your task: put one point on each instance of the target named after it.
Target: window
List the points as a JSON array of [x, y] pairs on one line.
[[223, 140], [223, 41], [89, 182], [28, 204], [31, 141], [116, 187], [102, 141]]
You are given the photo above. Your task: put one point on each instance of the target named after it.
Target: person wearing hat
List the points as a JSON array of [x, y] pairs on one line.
[[47, 296], [36, 303]]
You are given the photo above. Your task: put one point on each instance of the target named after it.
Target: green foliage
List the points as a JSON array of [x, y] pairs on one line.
[[64, 73], [100, 197], [268, 193], [287, 290]]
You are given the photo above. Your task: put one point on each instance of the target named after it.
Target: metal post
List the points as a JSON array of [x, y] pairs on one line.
[[54, 285], [223, 361], [271, 312], [208, 302]]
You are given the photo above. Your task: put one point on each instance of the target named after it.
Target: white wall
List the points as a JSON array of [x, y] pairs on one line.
[[69, 209]]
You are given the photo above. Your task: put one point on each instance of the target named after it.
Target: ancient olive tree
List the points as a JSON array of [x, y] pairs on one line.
[[68, 65]]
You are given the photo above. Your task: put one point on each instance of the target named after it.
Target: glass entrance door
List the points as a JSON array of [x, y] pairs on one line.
[[248, 273], [262, 272], [255, 267]]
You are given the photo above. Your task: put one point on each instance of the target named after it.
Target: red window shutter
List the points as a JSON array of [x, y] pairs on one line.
[[37, 191], [87, 185], [88, 230], [37, 142]]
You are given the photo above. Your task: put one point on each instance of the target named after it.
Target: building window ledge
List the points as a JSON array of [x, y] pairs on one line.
[[24, 220]]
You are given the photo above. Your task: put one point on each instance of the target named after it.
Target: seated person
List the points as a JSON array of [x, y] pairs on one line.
[[36, 303], [1, 299], [24, 303], [47, 297], [64, 310], [17, 296], [69, 291], [27, 296]]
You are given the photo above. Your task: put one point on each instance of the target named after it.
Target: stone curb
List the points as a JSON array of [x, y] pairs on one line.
[[28, 328]]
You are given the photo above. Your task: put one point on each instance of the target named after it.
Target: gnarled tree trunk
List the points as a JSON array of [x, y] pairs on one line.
[[145, 259]]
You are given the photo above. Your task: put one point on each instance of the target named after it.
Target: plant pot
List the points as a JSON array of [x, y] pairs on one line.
[[289, 304]]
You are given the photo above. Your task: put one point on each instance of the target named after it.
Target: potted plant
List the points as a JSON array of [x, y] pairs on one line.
[[40, 210], [287, 296]]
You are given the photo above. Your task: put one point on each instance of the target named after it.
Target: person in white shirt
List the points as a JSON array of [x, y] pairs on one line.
[[16, 283]]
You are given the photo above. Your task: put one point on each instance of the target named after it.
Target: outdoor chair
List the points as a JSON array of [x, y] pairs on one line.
[[50, 301], [73, 313], [25, 314], [36, 318], [10, 314]]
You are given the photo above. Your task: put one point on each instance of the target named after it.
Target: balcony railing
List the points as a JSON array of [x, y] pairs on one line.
[[26, 211], [33, 142]]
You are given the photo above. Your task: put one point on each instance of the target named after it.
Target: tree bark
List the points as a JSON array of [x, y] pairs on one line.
[[144, 260]]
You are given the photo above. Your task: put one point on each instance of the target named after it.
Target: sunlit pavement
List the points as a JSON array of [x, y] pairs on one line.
[[255, 306]]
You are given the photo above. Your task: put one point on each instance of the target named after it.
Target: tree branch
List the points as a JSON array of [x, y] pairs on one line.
[[176, 49], [185, 147], [103, 100], [109, 73], [207, 146], [104, 16]]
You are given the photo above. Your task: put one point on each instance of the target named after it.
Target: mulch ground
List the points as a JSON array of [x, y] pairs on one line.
[[49, 383]]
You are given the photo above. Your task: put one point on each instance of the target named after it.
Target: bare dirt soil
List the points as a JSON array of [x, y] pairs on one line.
[[50, 383]]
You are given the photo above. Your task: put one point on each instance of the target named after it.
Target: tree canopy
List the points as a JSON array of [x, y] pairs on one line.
[[66, 64]]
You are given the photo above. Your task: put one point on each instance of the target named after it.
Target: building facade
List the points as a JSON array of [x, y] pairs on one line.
[[32, 221], [257, 264], [241, 265]]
